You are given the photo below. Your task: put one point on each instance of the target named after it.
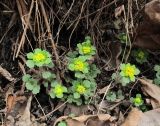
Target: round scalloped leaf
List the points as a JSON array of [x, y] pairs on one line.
[[36, 89], [30, 63], [26, 77], [59, 95], [76, 95], [52, 95], [46, 74], [29, 86], [62, 123], [45, 84], [30, 55], [79, 75]]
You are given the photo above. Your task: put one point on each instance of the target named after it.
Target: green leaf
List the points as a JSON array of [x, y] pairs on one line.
[[37, 50], [122, 66], [121, 73], [62, 123], [157, 81], [85, 70], [64, 89], [82, 58], [137, 71], [88, 38], [46, 74], [133, 79], [79, 103], [138, 95], [36, 89], [71, 67], [45, 84], [29, 86], [125, 81], [87, 83], [47, 53], [50, 65], [158, 74], [72, 54], [76, 95], [39, 64], [59, 96], [26, 77], [53, 83], [156, 67], [30, 55], [120, 95], [79, 75], [52, 95], [30, 63], [48, 61], [111, 96]]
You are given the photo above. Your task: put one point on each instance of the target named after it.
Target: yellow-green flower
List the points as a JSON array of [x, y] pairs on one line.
[[57, 90], [38, 58], [140, 55], [80, 89], [129, 71], [86, 48], [137, 101], [79, 64]]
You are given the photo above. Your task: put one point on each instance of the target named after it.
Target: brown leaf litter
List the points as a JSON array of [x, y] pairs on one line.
[[114, 51], [151, 90], [88, 120], [18, 111], [6, 74], [148, 33], [137, 118]]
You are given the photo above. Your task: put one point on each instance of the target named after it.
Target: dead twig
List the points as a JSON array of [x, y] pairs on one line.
[[6, 74], [51, 38]]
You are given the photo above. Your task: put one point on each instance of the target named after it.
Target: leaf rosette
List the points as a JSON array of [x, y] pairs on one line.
[[38, 58], [128, 73]]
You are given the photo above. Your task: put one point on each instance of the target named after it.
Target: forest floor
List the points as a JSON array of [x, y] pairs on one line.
[[79, 62]]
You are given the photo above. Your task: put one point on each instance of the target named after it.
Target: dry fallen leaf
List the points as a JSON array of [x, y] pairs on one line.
[[151, 90], [10, 102], [150, 118], [133, 118], [114, 52], [119, 10], [87, 120], [19, 115], [148, 33], [6, 74], [137, 118], [78, 110]]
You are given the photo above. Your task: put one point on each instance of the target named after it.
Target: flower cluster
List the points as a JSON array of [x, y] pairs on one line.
[[42, 58], [31, 83], [85, 72], [80, 88], [82, 84], [137, 101], [79, 64], [86, 48], [38, 58], [128, 73], [140, 56], [57, 90]]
